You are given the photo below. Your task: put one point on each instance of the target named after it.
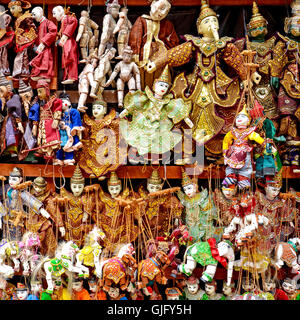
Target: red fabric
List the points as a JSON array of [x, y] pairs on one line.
[[70, 50], [43, 63], [280, 295], [8, 38], [215, 252]]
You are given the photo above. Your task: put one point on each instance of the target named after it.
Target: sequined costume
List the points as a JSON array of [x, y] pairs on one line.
[[208, 85]]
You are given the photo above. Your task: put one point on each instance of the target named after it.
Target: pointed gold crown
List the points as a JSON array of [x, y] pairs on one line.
[[155, 178], [205, 11], [114, 179], [40, 182], [257, 19], [244, 112], [77, 177], [186, 180], [165, 76]]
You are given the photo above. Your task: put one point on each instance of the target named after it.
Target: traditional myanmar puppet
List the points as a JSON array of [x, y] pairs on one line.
[[284, 72], [290, 288], [128, 73], [122, 28], [173, 293], [67, 42], [280, 212], [192, 291], [78, 291], [237, 150], [102, 150], [107, 39], [152, 33], [115, 214], [228, 291], [210, 292], [86, 80], [39, 224], [12, 128], [46, 114], [15, 199], [22, 291], [161, 211], [70, 132], [269, 286], [154, 115], [43, 63], [103, 69], [25, 36], [207, 86], [6, 40], [87, 35], [199, 212], [96, 293], [77, 209]]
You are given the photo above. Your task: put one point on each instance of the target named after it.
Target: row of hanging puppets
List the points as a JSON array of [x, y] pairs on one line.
[[116, 240], [240, 100]]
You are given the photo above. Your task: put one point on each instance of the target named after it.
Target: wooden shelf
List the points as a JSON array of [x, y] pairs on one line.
[[134, 172], [190, 3]]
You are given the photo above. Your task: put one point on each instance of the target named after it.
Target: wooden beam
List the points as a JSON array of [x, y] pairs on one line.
[[183, 3]]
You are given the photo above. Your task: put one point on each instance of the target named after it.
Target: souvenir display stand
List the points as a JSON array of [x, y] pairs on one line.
[[149, 150]]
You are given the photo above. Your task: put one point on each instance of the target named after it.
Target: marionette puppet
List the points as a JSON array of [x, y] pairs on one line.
[[289, 286], [107, 39], [228, 291], [70, 132], [269, 286], [154, 114], [43, 63], [128, 73], [86, 80], [123, 28], [96, 293], [25, 36], [78, 291], [68, 43], [102, 148], [7, 35], [46, 114], [87, 35], [210, 292], [152, 34], [192, 290], [103, 69], [14, 199], [199, 209]]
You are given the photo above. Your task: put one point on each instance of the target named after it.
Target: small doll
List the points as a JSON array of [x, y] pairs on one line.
[[237, 150], [228, 291], [43, 63], [128, 73], [114, 294], [70, 132], [210, 292], [192, 290], [290, 288], [67, 42], [87, 35], [154, 115], [78, 291], [22, 292]]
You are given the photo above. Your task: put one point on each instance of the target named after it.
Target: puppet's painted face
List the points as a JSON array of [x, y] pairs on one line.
[[22, 294], [113, 292], [26, 97], [114, 11], [272, 192], [228, 192], [159, 9], [93, 286], [289, 287], [58, 13], [259, 32], [16, 10], [14, 181], [209, 27], [37, 190], [294, 26], [192, 288], [227, 290], [210, 289], [248, 286], [269, 286], [37, 13], [42, 93], [98, 111], [114, 190], [66, 104], [77, 286], [161, 88], [190, 190], [153, 187], [127, 57], [77, 189], [242, 120]]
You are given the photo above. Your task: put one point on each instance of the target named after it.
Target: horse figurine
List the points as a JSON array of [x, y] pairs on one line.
[[208, 255], [246, 219], [89, 255], [28, 255], [119, 269], [287, 252], [152, 269], [9, 251], [62, 263]]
